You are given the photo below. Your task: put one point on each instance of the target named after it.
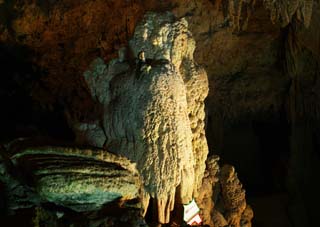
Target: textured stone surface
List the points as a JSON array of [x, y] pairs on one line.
[[222, 200], [218, 219], [244, 76], [52, 186], [283, 11], [239, 13], [163, 38], [82, 180], [209, 192], [233, 195], [153, 111]]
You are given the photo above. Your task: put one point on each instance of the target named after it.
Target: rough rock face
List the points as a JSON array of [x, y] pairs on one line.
[[153, 110], [284, 11], [233, 195], [209, 192], [161, 38], [84, 181], [222, 199], [239, 12], [268, 69]]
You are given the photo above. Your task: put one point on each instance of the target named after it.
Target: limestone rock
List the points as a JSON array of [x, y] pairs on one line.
[[239, 13], [82, 180], [162, 37], [283, 11], [206, 195], [233, 195], [82, 187], [17, 194], [156, 133], [246, 217], [196, 81], [218, 219], [221, 199], [153, 110]]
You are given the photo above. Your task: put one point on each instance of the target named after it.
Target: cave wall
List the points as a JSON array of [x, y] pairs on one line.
[[61, 38]]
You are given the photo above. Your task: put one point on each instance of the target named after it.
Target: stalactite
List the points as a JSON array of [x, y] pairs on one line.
[[282, 11], [240, 12]]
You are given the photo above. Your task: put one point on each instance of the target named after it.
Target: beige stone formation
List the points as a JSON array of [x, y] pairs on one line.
[[247, 217], [218, 219], [222, 199], [205, 198], [196, 82], [233, 195], [157, 135], [153, 111]]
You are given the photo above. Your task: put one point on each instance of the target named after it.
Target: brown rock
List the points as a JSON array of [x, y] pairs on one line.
[[233, 195]]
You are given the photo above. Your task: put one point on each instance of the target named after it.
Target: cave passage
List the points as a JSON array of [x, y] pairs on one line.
[[274, 149], [260, 151]]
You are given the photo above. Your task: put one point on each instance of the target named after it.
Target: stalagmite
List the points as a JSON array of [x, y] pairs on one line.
[[153, 111], [233, 195]]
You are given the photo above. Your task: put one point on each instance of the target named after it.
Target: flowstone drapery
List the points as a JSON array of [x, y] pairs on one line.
[[153, 110]]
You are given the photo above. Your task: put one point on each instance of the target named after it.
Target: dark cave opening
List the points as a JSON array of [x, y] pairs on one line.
[[316, 143], [274, 148], [259, 149], [21, 115], [150, 212]]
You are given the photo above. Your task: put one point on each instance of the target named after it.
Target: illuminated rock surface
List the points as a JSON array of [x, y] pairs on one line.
[[153, 111], [82, 180]]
